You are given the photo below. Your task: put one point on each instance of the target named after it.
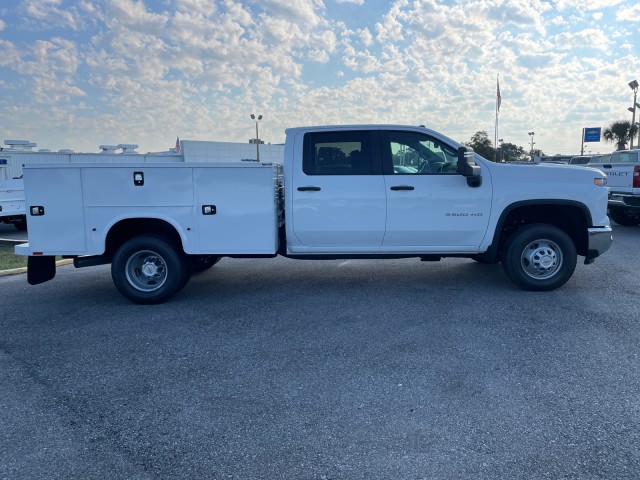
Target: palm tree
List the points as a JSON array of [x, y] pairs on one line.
[[620, 132]]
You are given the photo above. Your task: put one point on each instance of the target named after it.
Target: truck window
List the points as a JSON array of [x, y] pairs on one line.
[[417, 153], [337, 153], [624, 157]]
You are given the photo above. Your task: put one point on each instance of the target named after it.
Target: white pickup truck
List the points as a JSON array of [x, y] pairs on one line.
[[12, 206], [623, 178], [372, 191]]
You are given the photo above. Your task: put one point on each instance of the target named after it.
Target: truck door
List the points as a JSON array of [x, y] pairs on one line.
[[429, 205], [338, 196]]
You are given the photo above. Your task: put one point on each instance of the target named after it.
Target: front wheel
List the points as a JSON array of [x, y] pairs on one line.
[[148, 270], [539, 257]]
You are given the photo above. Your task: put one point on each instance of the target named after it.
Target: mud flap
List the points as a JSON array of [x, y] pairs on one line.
[[40, 269]]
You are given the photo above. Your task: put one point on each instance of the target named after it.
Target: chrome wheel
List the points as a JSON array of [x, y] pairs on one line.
[[541, 259], [146, 271]]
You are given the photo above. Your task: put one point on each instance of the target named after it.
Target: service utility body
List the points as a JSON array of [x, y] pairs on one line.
[[366, 191]]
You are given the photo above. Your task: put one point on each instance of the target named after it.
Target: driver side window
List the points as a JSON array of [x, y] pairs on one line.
[[416, 153]]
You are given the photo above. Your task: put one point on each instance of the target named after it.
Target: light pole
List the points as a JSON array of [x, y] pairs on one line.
[[634, 86], [257, 119], [531, 134]]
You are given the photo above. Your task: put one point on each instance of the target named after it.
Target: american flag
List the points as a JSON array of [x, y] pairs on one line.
[[498, 97], [178, 143]]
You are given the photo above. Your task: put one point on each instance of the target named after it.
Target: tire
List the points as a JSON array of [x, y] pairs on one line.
[[148, 270], [200, 263], [623, 216], [539, 257]]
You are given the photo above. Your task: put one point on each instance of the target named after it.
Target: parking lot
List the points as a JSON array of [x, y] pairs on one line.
[[284, 369]]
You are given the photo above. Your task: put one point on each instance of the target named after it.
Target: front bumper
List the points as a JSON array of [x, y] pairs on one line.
[[600, 239]]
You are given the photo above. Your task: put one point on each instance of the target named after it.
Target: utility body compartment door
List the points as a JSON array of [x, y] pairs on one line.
[[236, 209], [55, 213]]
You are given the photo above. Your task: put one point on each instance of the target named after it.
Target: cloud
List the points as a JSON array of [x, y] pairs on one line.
[[365, 37], [199, 67], [52, 13], [591, 37], [590, 5], [629, 14]]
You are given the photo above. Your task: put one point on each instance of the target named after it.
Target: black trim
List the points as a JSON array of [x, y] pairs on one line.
[[493, 248]]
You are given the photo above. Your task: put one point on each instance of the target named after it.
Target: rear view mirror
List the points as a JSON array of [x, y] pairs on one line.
[[468, 168]]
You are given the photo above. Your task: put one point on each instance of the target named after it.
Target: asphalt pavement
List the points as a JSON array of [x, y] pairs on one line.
[[284, 369]]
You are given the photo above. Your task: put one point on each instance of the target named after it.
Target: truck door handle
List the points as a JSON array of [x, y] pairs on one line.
[[308, 189], [401, 187], [607, 166]]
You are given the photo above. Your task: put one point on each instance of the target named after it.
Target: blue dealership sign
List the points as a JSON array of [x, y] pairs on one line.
[[592, 134]]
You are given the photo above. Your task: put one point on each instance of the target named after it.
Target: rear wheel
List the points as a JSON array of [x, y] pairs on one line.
[[148, 270], [539, 257], [624, 216]]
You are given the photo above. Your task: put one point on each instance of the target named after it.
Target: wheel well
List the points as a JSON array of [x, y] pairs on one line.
[[125, 230], [571, 218]]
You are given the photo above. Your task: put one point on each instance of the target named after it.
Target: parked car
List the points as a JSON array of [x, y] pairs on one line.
[[599, 159], [580, 160]]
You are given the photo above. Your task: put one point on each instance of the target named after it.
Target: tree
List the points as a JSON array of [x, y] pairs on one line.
[[482, 145], [510, 152], [620, 133]]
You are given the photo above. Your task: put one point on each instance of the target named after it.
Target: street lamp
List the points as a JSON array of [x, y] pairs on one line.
[[531, 134], [257, 119], [634, 86]]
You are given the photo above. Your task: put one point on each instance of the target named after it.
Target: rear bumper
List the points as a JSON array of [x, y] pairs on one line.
[[623, 200], [600, 239]]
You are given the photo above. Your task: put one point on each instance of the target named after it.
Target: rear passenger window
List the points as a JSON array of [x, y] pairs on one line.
[[337, 153]]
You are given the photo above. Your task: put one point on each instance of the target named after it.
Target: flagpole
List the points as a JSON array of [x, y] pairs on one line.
[[495, 138], [498, 101]]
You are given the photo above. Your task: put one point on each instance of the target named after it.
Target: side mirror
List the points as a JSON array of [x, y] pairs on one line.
[[468, 168]]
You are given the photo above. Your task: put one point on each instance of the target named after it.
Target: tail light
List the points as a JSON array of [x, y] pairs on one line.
[[636, 177]]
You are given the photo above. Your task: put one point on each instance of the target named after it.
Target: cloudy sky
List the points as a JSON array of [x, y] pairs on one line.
[[80, 73]]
